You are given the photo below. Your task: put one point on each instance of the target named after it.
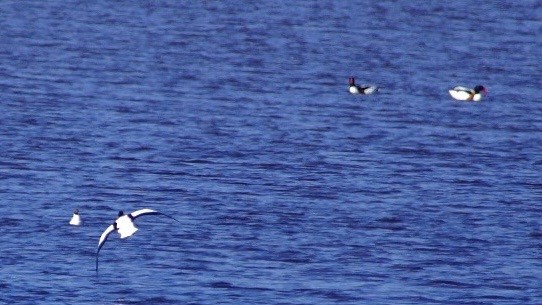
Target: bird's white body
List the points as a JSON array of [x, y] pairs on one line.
[[465, 94], [76, 220], [353, 90], [126, 226]]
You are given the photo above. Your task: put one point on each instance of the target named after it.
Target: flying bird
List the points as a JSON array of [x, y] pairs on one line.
[[125, 226]]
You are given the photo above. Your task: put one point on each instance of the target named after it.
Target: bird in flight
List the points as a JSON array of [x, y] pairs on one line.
[[125, 226]]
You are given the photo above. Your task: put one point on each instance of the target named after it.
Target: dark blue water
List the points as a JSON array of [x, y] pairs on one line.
[[235, 118]]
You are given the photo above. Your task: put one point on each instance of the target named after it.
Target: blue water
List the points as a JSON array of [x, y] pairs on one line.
[[234, 118]]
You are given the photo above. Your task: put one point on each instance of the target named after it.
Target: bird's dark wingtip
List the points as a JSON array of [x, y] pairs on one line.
[[173, 218], [97, 261], [168, 216]]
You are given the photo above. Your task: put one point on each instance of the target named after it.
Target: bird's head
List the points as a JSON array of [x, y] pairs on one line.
[[479, 89], [351, 81]]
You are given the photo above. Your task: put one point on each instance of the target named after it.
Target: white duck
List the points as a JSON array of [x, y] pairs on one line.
[[355, 89], [465, 94], [76, 218]]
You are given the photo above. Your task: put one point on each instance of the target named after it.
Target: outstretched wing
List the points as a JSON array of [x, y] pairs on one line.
[[144, 212], [103, 238]]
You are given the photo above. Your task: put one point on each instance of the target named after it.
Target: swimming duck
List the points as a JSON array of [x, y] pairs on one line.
[[76, 218], [465, 94], [125, 226], [355, 89]]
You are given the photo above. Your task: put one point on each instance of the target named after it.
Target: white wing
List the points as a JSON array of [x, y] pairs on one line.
[[459, 94], [103, 238], [143, 212], [370, 90]]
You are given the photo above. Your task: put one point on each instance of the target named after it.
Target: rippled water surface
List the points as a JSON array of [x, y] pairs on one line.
[[234, 117]]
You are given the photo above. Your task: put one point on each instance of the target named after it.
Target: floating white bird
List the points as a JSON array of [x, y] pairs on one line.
[[465, 94], [76, 218], [125, 226], [355, 89]]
